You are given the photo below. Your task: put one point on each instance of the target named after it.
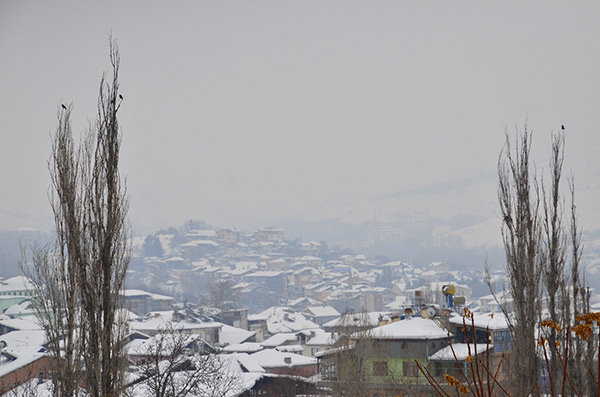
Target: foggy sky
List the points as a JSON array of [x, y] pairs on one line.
[[245, 113]]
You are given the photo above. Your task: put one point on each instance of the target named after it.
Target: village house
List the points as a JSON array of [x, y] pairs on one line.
[[270, 234], [388, 355], [321, 314], [142, 302], [277, 362]]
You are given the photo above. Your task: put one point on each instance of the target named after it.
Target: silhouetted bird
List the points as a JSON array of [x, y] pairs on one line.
[[121, 98], [508, 219], [562, 127], [63, 106]]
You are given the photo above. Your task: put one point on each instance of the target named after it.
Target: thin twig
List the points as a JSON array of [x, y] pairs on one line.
[[431, 380]]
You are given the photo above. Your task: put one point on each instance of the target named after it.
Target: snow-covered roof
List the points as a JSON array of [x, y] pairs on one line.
[[23, 341], [322, 311], [248, 362], [307, 270], [309, 258], [302, 300], [264, 273], [271, 358], [17, 283], [231, 335], [197, 243], [285, 319], [321, 338], [23, 323], [279, 339], [207, 233], [139, 292], [460, 349], [493, 321], [176, 259], [372, 318], [246, 347], [290, 348], [155, 321], [25, 307], [161, 344], [256, 317], [413, 328], [24, 347]]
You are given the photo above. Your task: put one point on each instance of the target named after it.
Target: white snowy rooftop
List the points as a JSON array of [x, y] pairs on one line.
[[322, 311], [493, 321], [284, 319], [139, 292], [248, 347], [279, 339], [271, 358], [358, 319], [18, 283], [460, 349], [413, 328], [232, 335]]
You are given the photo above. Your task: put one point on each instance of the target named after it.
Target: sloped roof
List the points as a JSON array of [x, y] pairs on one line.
[[358, 318], [17, 283], [279, 339], [232, 335], [493, 321], [246, 347], [460, 349], [413, 328], [271, 358], [283, 319], [322, 311], [321, 338]]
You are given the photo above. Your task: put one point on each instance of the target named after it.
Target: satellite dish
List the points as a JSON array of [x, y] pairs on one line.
[[449, 289], [408, 311], [2, 344], [431, 312]]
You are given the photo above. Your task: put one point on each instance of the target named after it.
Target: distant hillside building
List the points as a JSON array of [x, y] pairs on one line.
[[230, 235], [142, 302], [270, 234]]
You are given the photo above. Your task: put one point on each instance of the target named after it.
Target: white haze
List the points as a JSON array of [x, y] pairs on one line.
[[249, 113]]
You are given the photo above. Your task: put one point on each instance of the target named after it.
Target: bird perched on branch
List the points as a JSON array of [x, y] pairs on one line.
[[562, 127], [63, 106], [120, 97]]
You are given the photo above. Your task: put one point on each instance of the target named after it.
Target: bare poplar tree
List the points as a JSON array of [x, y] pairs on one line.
[[104, 243], [79, 280], [555, 247], [519, 200], [577, 302], [56, 298]]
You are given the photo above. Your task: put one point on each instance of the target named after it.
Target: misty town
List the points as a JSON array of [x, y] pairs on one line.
[[221, 312], [299, 198]]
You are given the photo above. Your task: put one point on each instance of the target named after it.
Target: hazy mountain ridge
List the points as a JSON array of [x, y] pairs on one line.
[[454, 221]]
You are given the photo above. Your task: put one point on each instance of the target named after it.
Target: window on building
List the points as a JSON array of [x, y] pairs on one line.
[[380, 368], [438, 368], [409, 369]]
